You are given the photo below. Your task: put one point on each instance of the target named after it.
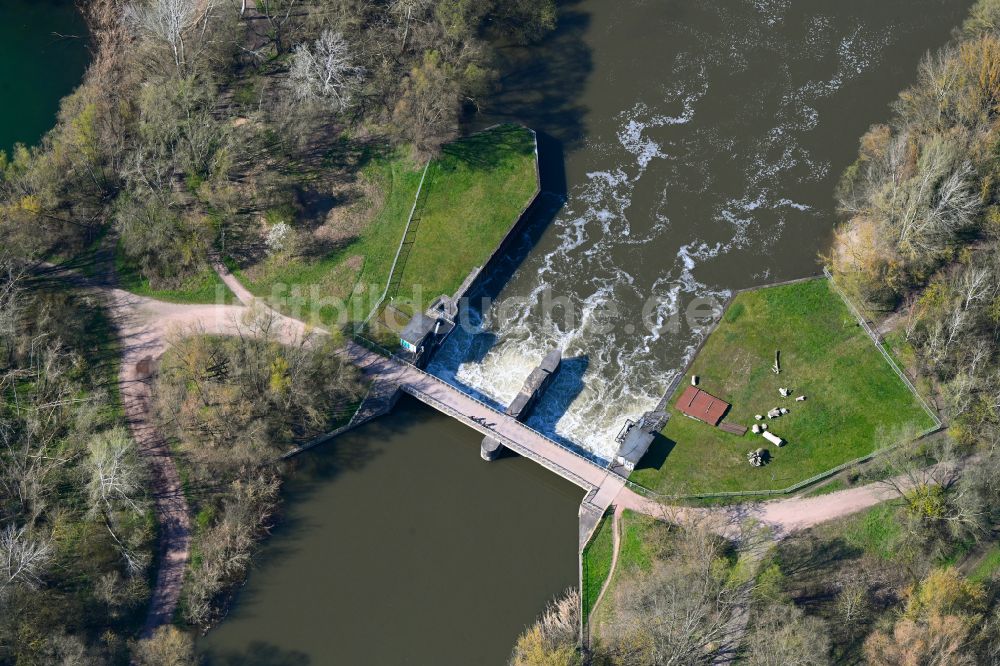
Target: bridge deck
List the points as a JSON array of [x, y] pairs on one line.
[[513, 434]]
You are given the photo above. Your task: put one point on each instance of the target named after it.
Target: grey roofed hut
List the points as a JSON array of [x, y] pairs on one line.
[[416, 331]]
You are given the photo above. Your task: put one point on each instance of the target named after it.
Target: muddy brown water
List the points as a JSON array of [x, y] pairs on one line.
[[702, 145], [690, 148], [399, 545]]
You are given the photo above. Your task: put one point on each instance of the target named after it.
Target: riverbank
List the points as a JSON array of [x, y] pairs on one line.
[[853, 402], [481, 551]]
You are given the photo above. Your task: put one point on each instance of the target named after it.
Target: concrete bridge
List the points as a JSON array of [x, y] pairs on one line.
[[393, 377]]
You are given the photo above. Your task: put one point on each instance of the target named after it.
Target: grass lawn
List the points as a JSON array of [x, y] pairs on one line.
[[472, 195], [876, 531], [643, 539], [906, 358], [205, 287], [354, 274], [987, 567], [597, 562], [855, 401], [475, 191], [833, 486]]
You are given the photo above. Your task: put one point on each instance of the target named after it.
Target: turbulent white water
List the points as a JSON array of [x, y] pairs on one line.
[[665, 196]]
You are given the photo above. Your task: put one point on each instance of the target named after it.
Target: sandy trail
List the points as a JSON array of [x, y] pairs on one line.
[[146, 325], [784, 516]]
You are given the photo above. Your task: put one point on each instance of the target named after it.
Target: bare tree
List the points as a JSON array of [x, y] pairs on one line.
[[405, 12], [325, 72], [683, 611], [552, 640], [170, 21], [169, 646], [783, 635], [23, 558], [116, 478]]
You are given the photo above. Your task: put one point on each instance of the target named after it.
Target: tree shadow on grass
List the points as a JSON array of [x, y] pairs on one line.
[[487, 149], [805, 554]]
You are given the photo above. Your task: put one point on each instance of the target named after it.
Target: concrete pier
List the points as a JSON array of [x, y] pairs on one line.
[[490, 449], [521, 407]]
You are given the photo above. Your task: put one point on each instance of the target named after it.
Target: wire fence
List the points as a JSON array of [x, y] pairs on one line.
[[876, 339], [402, 242]]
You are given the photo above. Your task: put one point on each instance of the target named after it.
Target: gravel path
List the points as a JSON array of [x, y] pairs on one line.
[[144, 326], [784, 516]]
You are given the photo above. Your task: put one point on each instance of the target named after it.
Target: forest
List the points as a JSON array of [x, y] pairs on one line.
[[195, 122]]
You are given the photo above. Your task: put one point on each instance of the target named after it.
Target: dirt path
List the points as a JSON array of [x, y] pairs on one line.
[[144, 327], [783, 517], [616, 542]]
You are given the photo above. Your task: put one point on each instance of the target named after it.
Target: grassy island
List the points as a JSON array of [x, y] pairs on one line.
[[472, 194], [855, 402]]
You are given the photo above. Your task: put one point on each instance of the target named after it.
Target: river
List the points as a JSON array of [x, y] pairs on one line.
[[703, 142], [44, 57], [399, 545], [689, 148]]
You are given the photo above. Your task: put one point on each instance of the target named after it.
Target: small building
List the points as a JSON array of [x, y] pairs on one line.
[[633, 442], [421, 335], [415, 333], [702, 406]]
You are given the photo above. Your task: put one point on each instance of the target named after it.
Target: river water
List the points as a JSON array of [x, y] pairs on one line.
[[401, 546], [43, 58], [703, 142], [689, 149]]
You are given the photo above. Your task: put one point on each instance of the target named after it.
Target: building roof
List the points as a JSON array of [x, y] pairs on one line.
[[417, 329], [701, 405], [634, 443]]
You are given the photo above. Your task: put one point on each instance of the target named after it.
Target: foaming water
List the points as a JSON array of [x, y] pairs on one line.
[[711, 155]]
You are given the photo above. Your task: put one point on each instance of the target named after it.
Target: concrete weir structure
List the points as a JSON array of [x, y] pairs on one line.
[[520, 408]]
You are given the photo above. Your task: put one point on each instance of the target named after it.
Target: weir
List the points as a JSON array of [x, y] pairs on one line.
[[391, 378], [526, 399]]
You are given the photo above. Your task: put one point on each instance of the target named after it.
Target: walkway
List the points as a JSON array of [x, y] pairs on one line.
[[602, 485], [782, 516], [143, 327]]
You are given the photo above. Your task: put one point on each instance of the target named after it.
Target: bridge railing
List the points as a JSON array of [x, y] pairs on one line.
[[371, 344], [507, 441]]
